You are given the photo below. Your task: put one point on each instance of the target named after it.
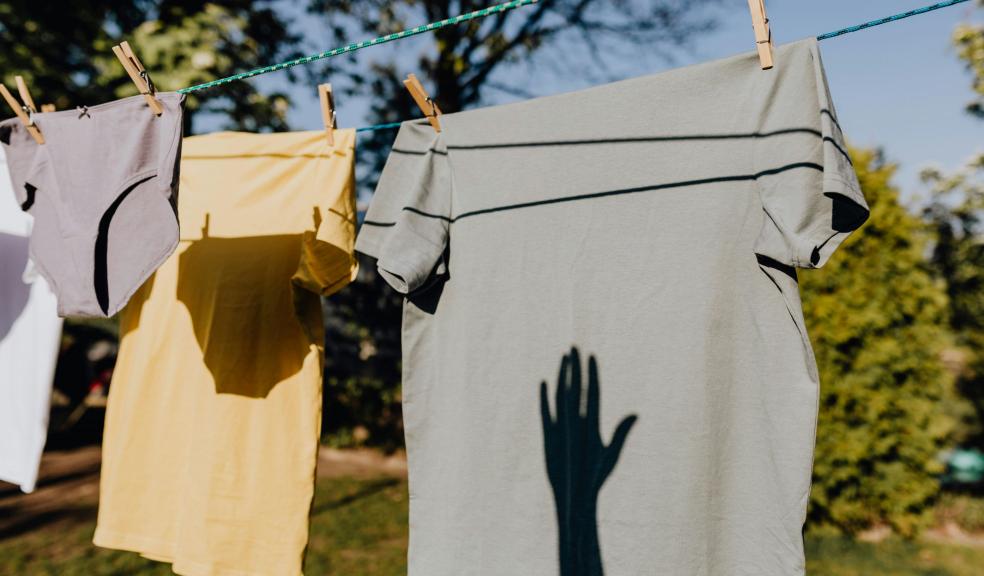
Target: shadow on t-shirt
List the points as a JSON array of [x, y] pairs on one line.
[[13, 262], [578, 462], [245, 310]]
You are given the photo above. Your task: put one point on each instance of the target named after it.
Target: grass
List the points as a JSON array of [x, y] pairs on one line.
[[830, 556], [358, 528]]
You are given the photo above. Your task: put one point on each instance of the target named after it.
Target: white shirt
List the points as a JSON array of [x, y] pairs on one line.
[[30, 331]]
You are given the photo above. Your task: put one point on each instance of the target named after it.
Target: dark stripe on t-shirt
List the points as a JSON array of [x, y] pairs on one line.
[[593, 195], [638, 139], [829, 114], [379, 224], [839, 149], [417, 152]]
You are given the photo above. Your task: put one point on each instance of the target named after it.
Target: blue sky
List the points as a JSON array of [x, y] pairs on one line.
[[898, 86]]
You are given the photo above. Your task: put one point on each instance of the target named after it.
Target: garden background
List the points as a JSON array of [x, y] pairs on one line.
[[896, 318]]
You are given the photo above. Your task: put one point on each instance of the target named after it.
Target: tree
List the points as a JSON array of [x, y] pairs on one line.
[[64, 52], [69, 61], [362, 393], [954, 216], [954, 213], [878, 321], [465, 59], [470, 63], [969, 41]]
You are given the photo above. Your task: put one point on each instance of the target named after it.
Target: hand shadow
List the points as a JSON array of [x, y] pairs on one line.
[[578, 463]]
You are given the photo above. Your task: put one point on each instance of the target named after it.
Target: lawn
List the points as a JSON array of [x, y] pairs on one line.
[[843, 557], [359, 529]]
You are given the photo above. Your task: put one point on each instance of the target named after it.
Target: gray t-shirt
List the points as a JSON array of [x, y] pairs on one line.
[[605, 363]]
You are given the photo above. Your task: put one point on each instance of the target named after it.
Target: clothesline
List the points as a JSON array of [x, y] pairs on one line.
[[888, 19], [375, 127], [499, 8], [364, 44], [488, 12], [826, 36]]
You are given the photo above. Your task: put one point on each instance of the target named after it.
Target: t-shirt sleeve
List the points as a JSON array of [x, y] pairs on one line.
[[406, 226], [807, 184], [327, 263]]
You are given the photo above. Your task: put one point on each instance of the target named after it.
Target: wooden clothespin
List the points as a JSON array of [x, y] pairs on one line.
[[424, 102], [328, 111], [25, 94], [23, 111], [134, 68], [763, 32]]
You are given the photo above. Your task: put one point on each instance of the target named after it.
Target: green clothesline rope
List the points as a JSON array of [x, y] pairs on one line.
[[373, 128], [826, 36], [482, 14], [888, 19], [364, 44]]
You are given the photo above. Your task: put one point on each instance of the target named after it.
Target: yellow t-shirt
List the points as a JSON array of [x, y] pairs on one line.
[[214, 413]]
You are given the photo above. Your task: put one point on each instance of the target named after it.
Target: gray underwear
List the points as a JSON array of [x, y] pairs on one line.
[[103, 191]]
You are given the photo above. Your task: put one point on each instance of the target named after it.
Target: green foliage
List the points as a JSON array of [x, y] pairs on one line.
[[65, 52], [362, 394], [969, 41], [954, 216], [954, 213], [877, 319], [358, 528]]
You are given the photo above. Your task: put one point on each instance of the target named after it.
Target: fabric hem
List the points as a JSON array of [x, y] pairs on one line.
[[235, 148], [404, 274], [196, 569], [24, 487], [399, 273], [108, 105], [129, 543], [342, 279], [148, 548], [823, 238]]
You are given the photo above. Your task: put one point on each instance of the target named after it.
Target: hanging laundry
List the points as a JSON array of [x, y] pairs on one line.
[[606, 368], [103, 192], [30, 330], [214, 415]]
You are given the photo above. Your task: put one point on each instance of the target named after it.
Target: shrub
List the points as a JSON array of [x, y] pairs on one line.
[[878, 322]]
